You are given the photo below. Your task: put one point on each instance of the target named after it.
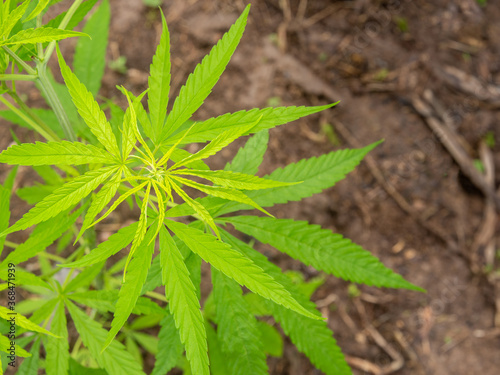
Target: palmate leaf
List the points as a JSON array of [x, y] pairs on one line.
[[84, 278], [55, 153], [13, 17], [250, 157], [322, 249], [88, 108], [316, 174], [90, 54], [207, 130], [5, 192], [46, 115], [179, 154], [226, 193], [159, 84], [42, 236], [237, 328], [31, 364], [23, 322], [200, 83], [39, 8], [184, 304], [5, 347], [105, 301], [108, 248], [234, 180], [45, 309], [63, 198], [102, 198], [218, 359], [77, 17], [40, 35], [115, 360], [236, 266], [131, 288], [57, 349], [215, 146], [322, 350], [170, 347], [130, 125], [198, 208], [24, 278], [141, 230]]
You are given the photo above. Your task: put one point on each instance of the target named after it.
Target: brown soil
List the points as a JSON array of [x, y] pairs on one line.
[[376, 57]]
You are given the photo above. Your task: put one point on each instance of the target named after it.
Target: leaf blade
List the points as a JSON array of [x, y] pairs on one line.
[[63, 198], [323, 351], [39, 35], [115, 360], [88, 108], [271, 117], [131, 288], [184, 305], [159, 83], [57, 349], [234, 180], [322, 249], [55, 153], [236, 266], [200, 83], [237, 328], [90, 53]]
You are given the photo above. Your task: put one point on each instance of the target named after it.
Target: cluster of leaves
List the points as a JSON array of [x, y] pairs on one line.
[[139, 156]]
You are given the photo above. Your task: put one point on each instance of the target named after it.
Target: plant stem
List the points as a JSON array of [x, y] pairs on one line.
[[50, 256], [41, 128], [158, 296], [11, 244], [26, 67], [55, 103], [62, 25], [68, 278], [17, 77]]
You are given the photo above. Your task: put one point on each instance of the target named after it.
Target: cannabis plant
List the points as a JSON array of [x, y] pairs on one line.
[[90, 167]]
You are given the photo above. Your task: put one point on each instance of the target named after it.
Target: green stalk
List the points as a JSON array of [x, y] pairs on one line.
[[55, 103], [25, 66], [45, 131], [62, 26], [52, 135], [18, 77]]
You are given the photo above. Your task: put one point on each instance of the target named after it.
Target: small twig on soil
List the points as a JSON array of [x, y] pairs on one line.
[[391, 190], [484, 240], [397, 359], [467, 83], [450, 141]]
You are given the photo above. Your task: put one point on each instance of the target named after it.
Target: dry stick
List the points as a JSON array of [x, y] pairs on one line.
[[391, 190], [448, 138], [485, 235], [397, 359], [468, 84]]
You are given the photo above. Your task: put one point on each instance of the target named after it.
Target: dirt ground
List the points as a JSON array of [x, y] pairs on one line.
[[424, 76]]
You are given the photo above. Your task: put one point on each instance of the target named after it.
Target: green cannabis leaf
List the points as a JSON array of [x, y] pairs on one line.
[[138, 156]]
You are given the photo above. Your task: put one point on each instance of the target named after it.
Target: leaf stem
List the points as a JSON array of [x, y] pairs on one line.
[[55, 103], [69, 14], [50, 256], [26, 67], [32, 119], [158, 296], [18, 77], [11, 244]]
